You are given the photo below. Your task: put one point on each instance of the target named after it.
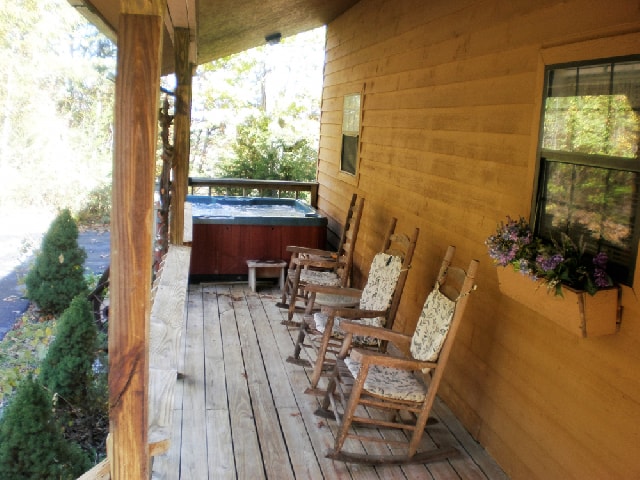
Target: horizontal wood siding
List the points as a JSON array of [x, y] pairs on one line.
[[451, 109]]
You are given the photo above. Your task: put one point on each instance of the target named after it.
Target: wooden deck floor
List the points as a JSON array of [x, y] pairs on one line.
[[241, 412]]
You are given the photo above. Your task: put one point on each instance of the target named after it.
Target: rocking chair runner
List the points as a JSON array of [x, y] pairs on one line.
[[397, 384], [376, 304], [321, 267]]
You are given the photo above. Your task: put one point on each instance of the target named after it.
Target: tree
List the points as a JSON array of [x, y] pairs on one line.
[[56, 107], [57, 275], [281, 83], [262, 154], [32, 445]]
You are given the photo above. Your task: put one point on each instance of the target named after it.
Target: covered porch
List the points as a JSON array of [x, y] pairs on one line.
[[240, 410], [451, 94]]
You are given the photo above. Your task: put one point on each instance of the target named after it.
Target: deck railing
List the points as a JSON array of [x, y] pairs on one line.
[[249, 188]]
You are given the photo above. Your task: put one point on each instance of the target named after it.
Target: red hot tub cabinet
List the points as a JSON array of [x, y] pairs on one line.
[[228, 231]]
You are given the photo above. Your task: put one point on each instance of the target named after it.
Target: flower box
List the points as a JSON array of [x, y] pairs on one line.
[[576, 311]]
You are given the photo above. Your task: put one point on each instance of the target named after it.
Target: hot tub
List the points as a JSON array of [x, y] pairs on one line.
[[228, 231]]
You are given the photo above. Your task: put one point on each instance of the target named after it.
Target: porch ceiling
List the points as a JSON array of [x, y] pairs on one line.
[[222, 27]]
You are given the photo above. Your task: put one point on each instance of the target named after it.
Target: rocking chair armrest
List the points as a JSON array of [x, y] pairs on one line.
[[381, 333], [311, 251], [315, 262], [369, 357], [351, 312], [341, 291]]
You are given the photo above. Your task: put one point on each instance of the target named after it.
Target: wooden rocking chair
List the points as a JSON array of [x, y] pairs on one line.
[[376, 304], [321, 267], [399, 383]]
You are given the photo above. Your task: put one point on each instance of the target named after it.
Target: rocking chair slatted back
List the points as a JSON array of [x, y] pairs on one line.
[[348, 240], [324, 267]]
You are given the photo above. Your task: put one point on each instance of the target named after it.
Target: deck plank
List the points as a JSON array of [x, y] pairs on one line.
[[302, 458], [272, 444], [317, 431], [241, 411], [474, 452], [193, 456], [221, 461], [246, 447]]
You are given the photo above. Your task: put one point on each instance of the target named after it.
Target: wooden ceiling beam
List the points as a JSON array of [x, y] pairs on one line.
[[182, 14]]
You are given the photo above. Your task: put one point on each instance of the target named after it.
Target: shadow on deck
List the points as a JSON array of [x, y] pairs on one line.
[[240, 411]]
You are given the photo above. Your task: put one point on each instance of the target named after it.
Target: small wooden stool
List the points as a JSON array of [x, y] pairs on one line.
[[265, 269]]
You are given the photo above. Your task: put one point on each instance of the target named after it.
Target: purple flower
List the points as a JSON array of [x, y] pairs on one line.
[[506, 246], [555, 261], [600, 261], [601, 278], [548, 263]]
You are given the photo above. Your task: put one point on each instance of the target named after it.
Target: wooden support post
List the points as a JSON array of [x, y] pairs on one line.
[[137, 92], [182, 125]]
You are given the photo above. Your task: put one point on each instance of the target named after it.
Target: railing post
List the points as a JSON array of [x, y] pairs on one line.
[[181, 125]]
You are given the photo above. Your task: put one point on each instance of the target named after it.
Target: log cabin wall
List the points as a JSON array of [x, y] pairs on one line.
[[451, 101]]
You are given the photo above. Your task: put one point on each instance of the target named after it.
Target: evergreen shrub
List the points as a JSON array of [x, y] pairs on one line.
[[32, 445], [57, 275], [67, 368]]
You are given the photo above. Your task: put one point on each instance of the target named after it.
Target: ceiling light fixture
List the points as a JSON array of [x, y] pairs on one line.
[[273, 39]]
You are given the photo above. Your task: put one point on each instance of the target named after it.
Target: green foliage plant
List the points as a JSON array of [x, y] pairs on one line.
[[57, 275], [32, 445], [96, 210], [261, 154], [67, 368]]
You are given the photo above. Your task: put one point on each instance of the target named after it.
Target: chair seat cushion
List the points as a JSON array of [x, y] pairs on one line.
[[328, 279], [335, 300], [320, 320], [390, 382]]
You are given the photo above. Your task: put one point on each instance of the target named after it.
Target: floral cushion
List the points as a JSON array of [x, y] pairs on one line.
[[381, 283], [329, 279], [433, 326], [390, 382], [376, 295]]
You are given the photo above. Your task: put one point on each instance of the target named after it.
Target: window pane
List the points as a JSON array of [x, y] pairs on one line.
[[626, 82], [596, 125], [351, 114], [597, 205], [594, 110], [594, 80], [349, 154], [562, 82]]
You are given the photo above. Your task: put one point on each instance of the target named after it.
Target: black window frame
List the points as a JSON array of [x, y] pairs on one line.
[[622, 273], [350, 136]]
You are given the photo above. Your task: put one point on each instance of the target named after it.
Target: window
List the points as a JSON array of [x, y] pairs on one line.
[[350, 133], [589, 167]]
